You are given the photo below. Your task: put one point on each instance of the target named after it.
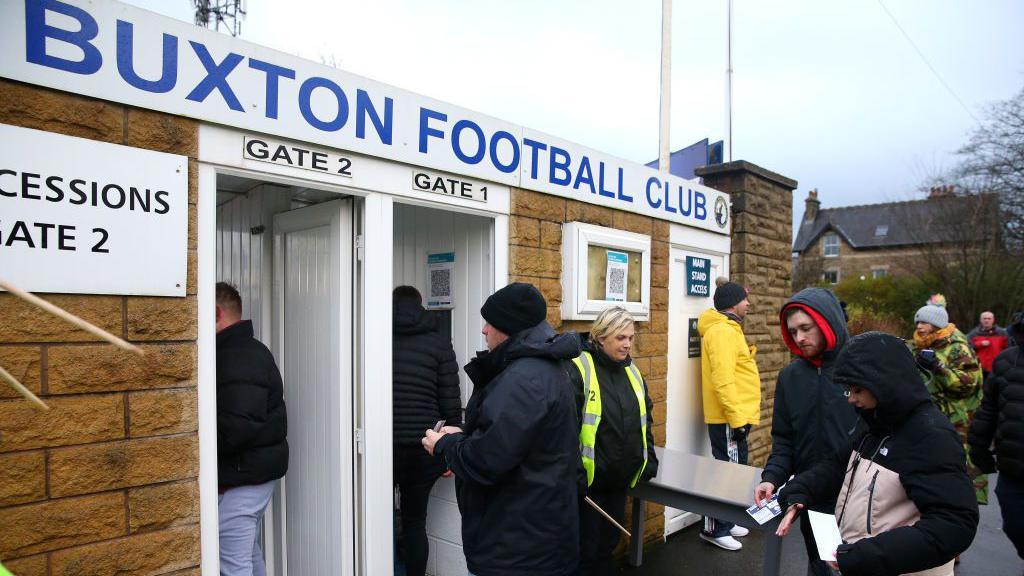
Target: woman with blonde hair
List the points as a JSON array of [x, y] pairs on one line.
[[616, 441]]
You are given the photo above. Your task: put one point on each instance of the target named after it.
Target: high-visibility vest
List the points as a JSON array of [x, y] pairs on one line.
[[592, 412]]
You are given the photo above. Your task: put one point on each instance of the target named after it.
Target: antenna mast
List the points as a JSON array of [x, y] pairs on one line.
[[230, 13]]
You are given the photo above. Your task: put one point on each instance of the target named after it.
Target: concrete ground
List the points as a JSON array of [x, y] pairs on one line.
[[991, 554]]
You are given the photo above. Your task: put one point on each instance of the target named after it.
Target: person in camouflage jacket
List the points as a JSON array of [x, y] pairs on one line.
[[953, 376]]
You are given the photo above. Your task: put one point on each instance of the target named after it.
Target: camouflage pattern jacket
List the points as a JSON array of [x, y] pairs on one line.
[[956, 384]]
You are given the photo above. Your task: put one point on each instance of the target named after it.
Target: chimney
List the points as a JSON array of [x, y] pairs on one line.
[[940, 191], [811, 205]]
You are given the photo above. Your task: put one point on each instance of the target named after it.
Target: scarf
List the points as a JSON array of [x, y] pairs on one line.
[[922, 342]]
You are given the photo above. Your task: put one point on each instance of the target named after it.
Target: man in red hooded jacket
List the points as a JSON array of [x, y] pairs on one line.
[[988, 340]]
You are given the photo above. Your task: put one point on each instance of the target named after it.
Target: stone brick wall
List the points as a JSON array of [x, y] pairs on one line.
[[535, 256], [762, 211], [854, 263], [105, 482]]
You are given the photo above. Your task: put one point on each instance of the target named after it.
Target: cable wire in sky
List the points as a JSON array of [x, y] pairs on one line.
[[927, 63]]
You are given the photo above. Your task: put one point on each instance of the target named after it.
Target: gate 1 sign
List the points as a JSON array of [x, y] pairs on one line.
[[79, 216], [698, 272]]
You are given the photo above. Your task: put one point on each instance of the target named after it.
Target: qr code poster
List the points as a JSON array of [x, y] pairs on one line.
[[440, 280], [615, 277]]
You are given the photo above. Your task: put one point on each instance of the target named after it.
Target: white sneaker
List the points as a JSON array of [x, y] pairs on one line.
[[725, 542], [738, 531]]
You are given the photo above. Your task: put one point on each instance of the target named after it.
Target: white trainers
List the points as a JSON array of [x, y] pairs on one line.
[[725, 542], [738, 531]]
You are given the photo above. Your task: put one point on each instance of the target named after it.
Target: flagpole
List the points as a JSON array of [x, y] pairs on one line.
[[728, 82], [666, 73]]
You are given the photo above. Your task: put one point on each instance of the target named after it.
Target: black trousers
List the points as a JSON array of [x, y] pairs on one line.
[[598, 537], [723, 448], [415, 472], [1010, 492]]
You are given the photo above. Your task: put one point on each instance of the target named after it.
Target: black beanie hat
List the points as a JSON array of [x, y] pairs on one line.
[[728, 295], [515, 308]]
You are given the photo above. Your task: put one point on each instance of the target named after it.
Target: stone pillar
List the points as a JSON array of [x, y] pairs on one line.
[[762, 237]]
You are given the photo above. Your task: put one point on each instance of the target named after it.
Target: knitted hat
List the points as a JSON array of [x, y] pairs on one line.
[[934, 315], [728, 295], [515, 308]]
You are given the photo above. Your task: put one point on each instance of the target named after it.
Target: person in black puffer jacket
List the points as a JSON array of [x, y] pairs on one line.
[[1000, 419], [904, 501], [252, 430], [425, 379], [517, 463]]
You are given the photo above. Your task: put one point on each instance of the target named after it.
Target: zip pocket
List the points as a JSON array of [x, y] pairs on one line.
[[871, 498]]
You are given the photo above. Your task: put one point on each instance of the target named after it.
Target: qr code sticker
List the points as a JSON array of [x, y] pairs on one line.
[[440, 283], [617, 280]]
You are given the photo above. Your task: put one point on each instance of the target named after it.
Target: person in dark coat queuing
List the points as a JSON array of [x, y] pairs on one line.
[[616, 434], [425, 379], [252, 430], [811, 419], [904, 502], [517, 463], [1000, 420]]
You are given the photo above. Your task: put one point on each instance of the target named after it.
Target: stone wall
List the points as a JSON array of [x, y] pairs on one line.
[[535, 256], [762, 211], [854, 263], [106, 481]]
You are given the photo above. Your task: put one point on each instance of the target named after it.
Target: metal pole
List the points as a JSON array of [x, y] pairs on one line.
[[728, 81], [666, 80]]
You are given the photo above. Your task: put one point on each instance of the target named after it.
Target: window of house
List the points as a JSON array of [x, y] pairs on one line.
[[879, 273], [830, 276], [882, 230], [831, 245]]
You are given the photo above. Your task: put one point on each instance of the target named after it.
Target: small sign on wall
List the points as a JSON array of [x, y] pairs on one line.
[[615, 276], [79, 216], [698, 276], [440, 281], [693, 339]]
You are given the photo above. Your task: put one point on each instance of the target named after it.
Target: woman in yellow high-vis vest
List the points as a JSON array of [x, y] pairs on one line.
[[616, 441]]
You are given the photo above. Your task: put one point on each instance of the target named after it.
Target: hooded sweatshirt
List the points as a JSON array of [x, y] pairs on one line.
[[811, 418], [729, 380], [904, 500], [517, 463]]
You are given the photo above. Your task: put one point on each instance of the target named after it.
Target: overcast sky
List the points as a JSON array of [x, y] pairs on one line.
[[830, 94]]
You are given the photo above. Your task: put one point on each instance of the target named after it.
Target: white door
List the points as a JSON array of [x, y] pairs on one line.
[[684, 426], [313, 526]]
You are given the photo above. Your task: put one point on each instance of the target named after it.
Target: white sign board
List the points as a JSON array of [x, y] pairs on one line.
[[84, 217], [124, 54], [616, 276]]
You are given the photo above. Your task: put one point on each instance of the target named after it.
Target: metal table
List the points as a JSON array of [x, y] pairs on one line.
[[705, 486]]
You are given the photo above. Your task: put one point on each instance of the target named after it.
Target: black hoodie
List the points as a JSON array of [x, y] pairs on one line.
[[516, 465], [1000, 419], [811, 419], [424, 375], [909, 436]]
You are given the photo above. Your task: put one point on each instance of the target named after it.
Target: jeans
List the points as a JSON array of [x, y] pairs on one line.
[[598, 536], [240, 510], [1010, 492], [415, 473], [723, 448]]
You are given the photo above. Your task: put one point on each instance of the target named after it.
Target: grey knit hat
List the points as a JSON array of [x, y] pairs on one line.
[[934, 315]]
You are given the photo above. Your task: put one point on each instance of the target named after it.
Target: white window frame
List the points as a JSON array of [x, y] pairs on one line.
[[880, 272], [826, 272], [830, 240], [577, 237]]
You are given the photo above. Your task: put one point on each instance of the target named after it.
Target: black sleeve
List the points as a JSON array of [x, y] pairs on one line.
[[983, 428], [937, 483], [577, 385], [779, 467], [651, 470], [820, 483], [241, 414], [449, 394]]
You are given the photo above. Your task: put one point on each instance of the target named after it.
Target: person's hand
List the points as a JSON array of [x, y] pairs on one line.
[[763, 492], [448, 474], [451, 430], [430, 439], [928, 360], [740, 434], [833, 565], [788, 519]]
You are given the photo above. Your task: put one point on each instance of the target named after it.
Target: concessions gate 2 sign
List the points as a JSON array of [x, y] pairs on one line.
[[86, 217]]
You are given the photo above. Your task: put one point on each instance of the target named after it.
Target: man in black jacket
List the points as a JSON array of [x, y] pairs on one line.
[[425, 379], [1000, 419], [252, 429], [811, 418], [517, 463]]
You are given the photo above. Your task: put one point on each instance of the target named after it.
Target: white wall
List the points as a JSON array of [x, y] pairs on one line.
[[417, 232]]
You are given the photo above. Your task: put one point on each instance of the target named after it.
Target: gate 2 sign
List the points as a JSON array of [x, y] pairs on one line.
[[698, 276], [85, 217]]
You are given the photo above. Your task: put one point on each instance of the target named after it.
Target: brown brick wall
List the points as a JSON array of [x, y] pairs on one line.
[[762, 211], [535, 256], [853, 263], [106, 482]]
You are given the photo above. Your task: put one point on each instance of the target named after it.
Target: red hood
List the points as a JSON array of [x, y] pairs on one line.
[[823, 325]]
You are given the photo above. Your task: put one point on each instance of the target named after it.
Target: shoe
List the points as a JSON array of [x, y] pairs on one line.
[[738, 531], [725, 542]]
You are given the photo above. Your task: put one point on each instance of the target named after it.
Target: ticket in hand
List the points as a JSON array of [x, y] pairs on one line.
[[767, 510]]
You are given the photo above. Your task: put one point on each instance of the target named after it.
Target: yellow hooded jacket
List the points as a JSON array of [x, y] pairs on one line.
[[730, 383]]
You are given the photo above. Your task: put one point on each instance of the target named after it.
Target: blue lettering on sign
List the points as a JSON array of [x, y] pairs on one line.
[[57, 32]]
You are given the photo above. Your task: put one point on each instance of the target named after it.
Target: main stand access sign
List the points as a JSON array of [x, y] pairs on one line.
[[85, 217]]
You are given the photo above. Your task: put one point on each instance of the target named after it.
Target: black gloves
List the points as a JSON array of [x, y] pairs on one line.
[[928, 360], [740, 434]]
